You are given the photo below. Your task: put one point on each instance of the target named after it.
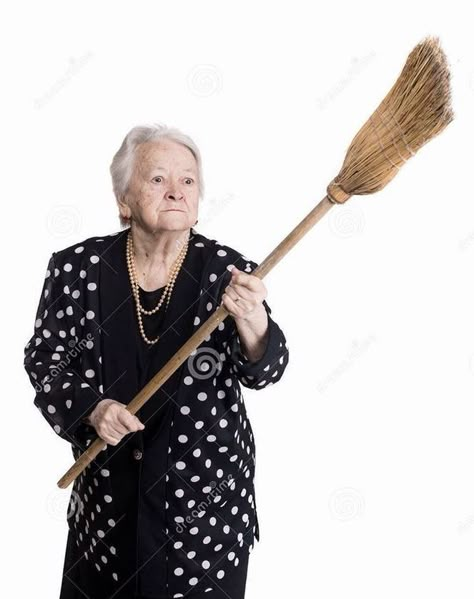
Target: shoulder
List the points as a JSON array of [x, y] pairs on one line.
[[88, 249], [220, 253]]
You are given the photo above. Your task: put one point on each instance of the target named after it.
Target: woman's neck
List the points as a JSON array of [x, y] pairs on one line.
[[155, 254]]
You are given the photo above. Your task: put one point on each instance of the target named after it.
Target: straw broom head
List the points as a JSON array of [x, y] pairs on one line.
[[415, 110]]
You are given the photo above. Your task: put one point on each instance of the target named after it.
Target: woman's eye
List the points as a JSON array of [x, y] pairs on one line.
[[157, 178], [192, 180]]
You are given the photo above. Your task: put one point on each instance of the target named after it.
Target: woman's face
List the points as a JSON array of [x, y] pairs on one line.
[[163, 193]]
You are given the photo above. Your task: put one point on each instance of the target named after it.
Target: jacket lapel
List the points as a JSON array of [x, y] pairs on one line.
[[120, 377]]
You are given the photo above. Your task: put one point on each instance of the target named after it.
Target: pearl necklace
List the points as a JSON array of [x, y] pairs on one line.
[[135, 286]]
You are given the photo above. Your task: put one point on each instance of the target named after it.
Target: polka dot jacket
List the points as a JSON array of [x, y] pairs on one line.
[[210, 507]]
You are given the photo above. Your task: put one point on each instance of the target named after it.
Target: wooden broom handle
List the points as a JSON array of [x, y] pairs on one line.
[[198, 337]]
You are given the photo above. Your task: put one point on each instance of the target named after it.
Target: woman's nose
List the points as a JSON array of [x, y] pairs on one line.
[[174, 193]]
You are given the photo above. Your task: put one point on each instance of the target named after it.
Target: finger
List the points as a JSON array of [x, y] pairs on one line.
[[246, 280], [235, 291], [232, 293], [128, 420], [136, 425], [108, 438], [234, 307], [250, 284], [117, 429]]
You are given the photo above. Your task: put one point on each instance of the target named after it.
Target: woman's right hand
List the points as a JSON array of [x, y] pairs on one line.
[[112, 421]]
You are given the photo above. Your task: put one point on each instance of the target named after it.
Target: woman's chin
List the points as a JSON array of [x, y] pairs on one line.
[[170, 221]]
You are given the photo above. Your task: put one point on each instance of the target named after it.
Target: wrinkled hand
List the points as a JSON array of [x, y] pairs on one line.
[[243, 297], [112, 421]]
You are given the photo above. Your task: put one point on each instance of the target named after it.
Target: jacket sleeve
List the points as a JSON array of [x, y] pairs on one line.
[[270, 367], [52, 360]]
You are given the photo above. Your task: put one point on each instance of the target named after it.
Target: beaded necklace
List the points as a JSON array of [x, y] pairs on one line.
[[136, 290]]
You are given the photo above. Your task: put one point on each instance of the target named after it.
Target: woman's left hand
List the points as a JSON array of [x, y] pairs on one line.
[[243, 297]]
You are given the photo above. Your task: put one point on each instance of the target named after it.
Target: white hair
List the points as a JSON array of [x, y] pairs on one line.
[[123, 162]]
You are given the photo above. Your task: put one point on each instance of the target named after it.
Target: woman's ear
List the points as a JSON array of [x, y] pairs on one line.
[[124, 209]]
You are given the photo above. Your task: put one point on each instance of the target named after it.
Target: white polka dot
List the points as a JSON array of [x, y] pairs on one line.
[[178, 571], [193, 581], [89, 373], [90, 314], [67, 267], [220, 574], [94, 259]]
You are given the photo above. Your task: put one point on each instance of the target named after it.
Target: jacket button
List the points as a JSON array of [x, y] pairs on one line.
[[137, 454]]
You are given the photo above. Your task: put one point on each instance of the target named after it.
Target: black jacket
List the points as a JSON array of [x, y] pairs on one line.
[[74, 357]]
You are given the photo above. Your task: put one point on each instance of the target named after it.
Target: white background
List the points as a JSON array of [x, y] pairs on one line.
[[365, 451]]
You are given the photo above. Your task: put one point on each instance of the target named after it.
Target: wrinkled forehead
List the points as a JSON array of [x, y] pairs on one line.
[[165, 154]]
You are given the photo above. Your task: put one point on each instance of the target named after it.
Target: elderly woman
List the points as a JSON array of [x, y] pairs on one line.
[[168, 508]]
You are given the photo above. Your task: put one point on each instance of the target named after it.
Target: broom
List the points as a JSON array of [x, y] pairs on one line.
[[415, 110]]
